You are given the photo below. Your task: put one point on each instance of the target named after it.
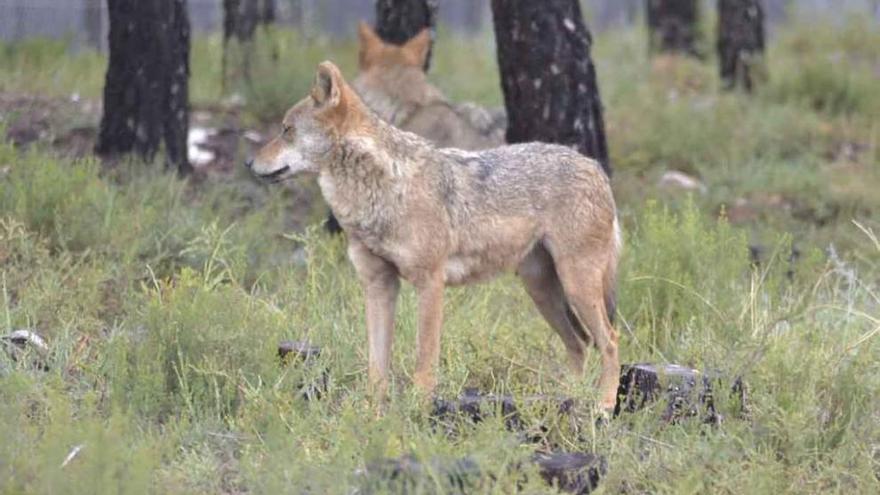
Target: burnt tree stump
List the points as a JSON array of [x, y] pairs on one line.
[[741, 43], [679, 391], [577, 472], [397, 21], [146, 92], [673, 26], [473, 407], [548, 77], [306, 355]]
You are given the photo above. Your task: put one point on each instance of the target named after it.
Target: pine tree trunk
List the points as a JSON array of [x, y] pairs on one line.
[[269, 12], [240, 19], [673, 26], [740, 42], [548, 77], [399, 20], [146, 89]]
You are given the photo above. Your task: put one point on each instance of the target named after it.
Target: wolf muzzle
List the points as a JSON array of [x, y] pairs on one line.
[[273, 176]]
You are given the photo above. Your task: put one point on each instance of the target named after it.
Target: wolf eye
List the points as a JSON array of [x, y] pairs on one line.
[[286, 131]]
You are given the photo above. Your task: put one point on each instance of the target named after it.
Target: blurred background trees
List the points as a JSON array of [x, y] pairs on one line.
[[741, 42], [673, 26]]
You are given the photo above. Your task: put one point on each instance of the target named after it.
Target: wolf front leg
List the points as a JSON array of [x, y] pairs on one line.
[[430, 292], [381, 286]]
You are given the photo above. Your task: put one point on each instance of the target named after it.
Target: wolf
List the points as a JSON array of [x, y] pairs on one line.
[[444, 216], [392, 82]]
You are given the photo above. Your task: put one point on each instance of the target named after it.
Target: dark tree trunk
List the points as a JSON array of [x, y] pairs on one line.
[[399, 20], [673, 26], [740, 42], [269, 13], [146, 90], [548, 77], [240, 19]]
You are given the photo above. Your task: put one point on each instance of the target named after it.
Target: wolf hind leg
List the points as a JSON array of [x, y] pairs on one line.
[[582, 280], [542, 284]]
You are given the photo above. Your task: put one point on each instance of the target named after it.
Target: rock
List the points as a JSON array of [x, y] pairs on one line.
[[675, 180], [305, 354], [294, 349], [758, 255], [475, 406], [686, 392], [27, 346], [577, 472], [196, 142]]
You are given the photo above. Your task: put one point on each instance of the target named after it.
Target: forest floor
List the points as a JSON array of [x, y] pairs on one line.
[[162, 301]]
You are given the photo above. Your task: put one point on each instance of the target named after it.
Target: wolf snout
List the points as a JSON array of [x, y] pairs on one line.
[[249, 164], [273, 176]]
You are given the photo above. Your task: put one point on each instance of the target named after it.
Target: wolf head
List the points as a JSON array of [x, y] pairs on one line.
[[311, 128], [376, 54]]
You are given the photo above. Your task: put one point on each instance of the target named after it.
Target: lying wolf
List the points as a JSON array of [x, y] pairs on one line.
[[392, 83], [442, 216]]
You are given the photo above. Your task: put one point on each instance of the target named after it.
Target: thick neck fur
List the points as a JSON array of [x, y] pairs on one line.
[[365, 175]]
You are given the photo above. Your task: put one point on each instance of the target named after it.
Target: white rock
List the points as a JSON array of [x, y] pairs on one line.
[[195, 143], [674, 179]]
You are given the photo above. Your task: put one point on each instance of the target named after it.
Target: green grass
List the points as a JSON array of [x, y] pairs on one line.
[[163, 301]]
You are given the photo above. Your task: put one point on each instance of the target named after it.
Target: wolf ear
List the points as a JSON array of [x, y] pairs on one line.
[[327, 90], [370, 43], [417, 48]]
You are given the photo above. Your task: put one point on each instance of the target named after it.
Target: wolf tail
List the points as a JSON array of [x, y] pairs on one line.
[[610, 279]]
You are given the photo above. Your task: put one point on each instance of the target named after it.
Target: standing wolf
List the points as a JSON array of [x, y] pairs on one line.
[[438, 217]]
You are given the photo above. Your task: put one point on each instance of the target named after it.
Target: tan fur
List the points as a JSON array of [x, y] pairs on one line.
[[393, 84], [438, 217]]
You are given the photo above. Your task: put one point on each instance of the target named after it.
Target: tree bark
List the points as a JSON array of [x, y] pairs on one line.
[[240, 19], [548, 77], [673, 26], [146, 94], [740, 42], [399, 20], [269, 12]]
